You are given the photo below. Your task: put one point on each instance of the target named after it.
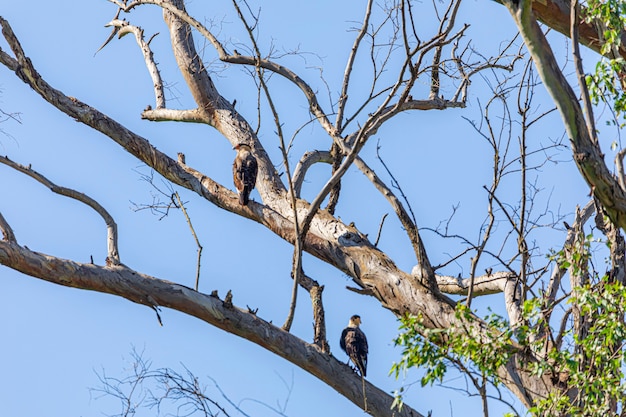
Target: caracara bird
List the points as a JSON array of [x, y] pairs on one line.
[[354, 343], [244, 172]]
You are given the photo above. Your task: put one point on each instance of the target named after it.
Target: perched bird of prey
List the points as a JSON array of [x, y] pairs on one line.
[[354, 343], [244, 172]]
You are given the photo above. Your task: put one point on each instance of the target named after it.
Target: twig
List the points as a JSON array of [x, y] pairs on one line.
[[333, 198], [195, 237], [426, 273], [394, 181], [343, 98], [380, 228], [112, 248]]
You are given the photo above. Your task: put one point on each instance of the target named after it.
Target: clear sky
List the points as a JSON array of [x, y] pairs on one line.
[[56, 340]]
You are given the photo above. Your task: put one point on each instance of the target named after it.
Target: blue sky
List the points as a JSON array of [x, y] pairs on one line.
[[56, 339]]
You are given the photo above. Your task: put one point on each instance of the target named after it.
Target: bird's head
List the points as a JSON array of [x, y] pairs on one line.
[[355, 321], [239, 146]]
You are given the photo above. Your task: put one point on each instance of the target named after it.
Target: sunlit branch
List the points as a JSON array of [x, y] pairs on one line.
[[487, 284], [164, 115], [236, 58], [112, 248], [307, 160], [125, 28], [155, 292]]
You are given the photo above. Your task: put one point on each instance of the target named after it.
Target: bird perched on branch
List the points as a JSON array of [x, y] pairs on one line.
[[244, 172], [354, 343]]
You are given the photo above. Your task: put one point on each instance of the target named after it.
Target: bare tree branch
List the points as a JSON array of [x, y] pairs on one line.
[[195, 237], [113, 256], [307, 160], [343, 98], [124, 28], [162, 115], [151, 291]]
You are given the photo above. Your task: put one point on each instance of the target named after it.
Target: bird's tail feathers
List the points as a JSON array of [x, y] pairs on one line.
[[244, 196], [360, 365]]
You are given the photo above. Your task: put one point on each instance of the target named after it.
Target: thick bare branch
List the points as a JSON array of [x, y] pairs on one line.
[[167, 115], [580, 73], [587, 154], [556, 15], [154, 292], [487, 284]]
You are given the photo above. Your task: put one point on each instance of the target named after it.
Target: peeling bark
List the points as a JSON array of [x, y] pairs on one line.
[[329, 239], [154, 292]]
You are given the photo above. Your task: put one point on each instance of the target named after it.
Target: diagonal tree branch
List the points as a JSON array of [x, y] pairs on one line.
[[154, 292], [343, 98], [556, 15], [587, 153]]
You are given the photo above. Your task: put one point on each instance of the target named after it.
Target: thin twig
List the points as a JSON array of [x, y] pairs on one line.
[[380, 229], [343, 98], [195, 237]]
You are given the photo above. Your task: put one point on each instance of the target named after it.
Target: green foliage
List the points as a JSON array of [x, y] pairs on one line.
[[604, 83], [594, 367], [436, 349], [590, 364]]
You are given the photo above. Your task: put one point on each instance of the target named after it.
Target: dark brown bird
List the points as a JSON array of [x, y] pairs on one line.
[[244, 172], [354, 343]]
